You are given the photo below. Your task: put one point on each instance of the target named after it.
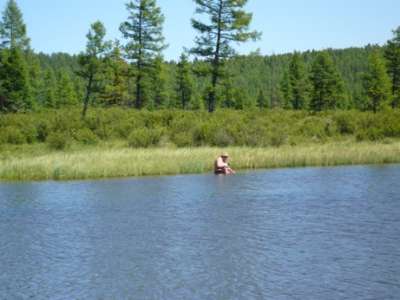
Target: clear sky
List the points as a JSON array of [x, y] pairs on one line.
[[287, 25]]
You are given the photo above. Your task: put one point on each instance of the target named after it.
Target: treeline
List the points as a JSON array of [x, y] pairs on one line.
[[59, 129], [133, 73]]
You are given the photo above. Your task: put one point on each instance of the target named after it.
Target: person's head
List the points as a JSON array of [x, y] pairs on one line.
[[225, 156]]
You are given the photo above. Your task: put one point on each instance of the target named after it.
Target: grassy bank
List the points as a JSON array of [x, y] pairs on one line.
[[36, 162]]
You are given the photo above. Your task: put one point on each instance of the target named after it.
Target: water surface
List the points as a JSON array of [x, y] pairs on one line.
[[314, 233]]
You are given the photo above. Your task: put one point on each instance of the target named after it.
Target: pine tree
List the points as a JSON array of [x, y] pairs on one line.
[[184, 88], [35, 76], [377, 83], [327, 84], [92, 61], [13, 28], [49, 97], [66, 94], [115, 90], [262, 101], [143, 30], [392, 54], [228, 23], [158, 79], [15, 90], [227, 93], [286, 91], [299, 83]]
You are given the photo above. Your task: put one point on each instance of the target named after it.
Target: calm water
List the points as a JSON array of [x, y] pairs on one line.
[[322, 233]]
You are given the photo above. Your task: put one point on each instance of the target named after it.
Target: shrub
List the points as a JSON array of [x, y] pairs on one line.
[[11, 135], [86, 137], [144, 138], [183, 139], [57, 141], [371, 134], [222, 138], [43, 130], [30, 133], [345, 123]]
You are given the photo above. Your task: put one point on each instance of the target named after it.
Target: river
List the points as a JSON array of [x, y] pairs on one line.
[[311, 233]]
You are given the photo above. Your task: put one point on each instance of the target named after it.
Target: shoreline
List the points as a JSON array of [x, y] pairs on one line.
[[101, 162]]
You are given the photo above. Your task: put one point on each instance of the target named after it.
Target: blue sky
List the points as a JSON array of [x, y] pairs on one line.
[[287, 25]]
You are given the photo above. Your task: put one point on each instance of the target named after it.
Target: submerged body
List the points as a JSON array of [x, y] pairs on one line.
[[221, 165]]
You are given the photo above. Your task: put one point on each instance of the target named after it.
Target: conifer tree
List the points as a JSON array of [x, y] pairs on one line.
[[377, 83], [286, 91], [145, 41], [228, 23], [92, 61], [227, 93], [262, 101], [115, 91], [327, 85], [66, 94], [158, 79], [35, 76], [299, 83], [49, 97], [13, 28], [184, 88], [392, 54], [15, 90]]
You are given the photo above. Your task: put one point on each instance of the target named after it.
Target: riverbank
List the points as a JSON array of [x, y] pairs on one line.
[[106, 161]]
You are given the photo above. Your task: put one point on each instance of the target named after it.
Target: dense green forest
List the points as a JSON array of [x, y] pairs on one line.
[[133, 73]]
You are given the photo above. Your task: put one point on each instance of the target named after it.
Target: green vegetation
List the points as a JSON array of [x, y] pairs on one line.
[[116, 160], [228, 23], [211, 76], [59, 144], [313, 108]]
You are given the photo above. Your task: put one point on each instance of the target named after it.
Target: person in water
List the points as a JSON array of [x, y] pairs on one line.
[[221, 165]]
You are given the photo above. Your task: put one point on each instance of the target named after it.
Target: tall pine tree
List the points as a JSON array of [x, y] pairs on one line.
[[15, 89], [145, 41], [262, 100], [184, 87], [392, 54], [298, 80], [92, 61], [49, 92], [66, 94], [228, 23], [115, 90], [327, 85], [377, 83], [13, 28], [285, 89], [158, 83]]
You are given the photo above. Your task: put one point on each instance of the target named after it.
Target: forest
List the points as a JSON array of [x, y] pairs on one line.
[[97, 113], [132, 72]]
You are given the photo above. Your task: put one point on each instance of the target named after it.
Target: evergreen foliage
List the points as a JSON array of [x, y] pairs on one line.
[[143, 32]]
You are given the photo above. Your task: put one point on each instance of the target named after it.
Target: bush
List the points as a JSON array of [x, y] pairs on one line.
[[371, 134], [43, 130], [222, 138], [86, 137], [144, 138], [30, 133], [57, 141], [183, 139], [345, 123], [11, 135]]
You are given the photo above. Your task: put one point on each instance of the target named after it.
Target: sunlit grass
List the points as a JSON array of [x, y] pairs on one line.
[[115, 160]]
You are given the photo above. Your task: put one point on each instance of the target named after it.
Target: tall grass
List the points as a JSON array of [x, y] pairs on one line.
[[118, 161]]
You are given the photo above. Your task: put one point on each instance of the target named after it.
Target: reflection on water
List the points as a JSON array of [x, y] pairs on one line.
[[317, 233]]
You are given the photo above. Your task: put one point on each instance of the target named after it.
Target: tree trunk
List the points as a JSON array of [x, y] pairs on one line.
[[216, 62]]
